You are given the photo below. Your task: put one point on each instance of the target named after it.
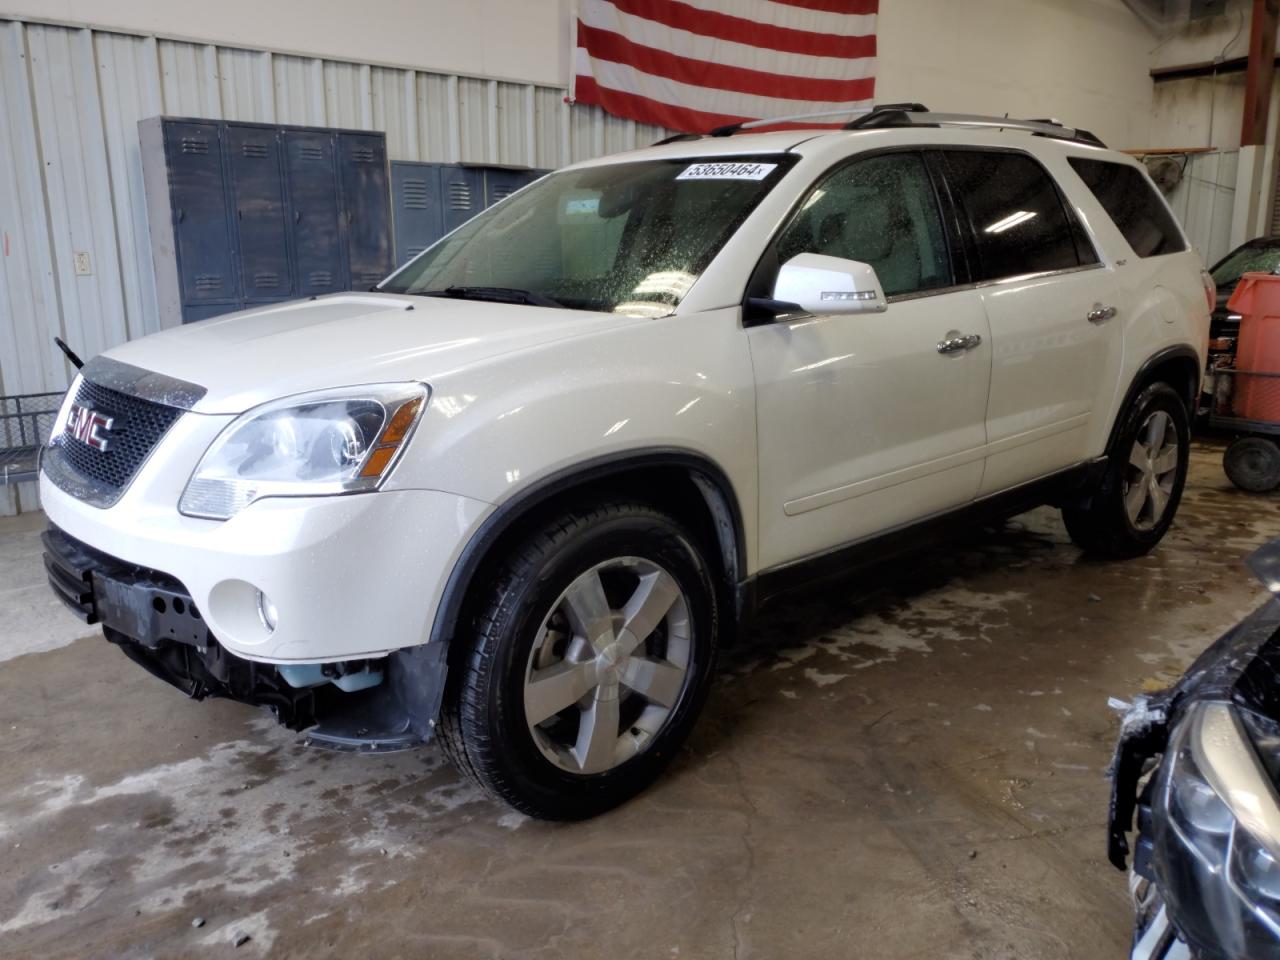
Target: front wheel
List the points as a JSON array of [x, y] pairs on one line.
[[1134, 505], [590, 658]]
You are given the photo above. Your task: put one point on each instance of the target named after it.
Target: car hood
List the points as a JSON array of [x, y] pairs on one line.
[[244, 359]]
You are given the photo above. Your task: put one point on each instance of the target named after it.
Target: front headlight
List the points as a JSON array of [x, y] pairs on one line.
[[1217, 833], [314, 444]]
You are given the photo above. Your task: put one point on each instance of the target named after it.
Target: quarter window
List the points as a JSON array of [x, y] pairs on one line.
[[881, 211], [1017, 216], [1131, 201]]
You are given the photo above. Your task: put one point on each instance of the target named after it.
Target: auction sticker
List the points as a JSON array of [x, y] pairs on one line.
[[727, 171]]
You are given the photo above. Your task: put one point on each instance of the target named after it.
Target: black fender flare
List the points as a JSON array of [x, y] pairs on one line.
[[710, 479], [1143, 376]]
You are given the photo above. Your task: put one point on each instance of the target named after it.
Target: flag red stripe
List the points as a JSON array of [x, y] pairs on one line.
[[607, 45], [708, 23], [836, 6], [646, 110]]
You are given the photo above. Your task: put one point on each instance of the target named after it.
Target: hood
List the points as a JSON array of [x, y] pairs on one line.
[[248, 358]]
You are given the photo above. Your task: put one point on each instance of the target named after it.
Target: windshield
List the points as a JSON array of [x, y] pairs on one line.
[[625, 238], [1248, 259]]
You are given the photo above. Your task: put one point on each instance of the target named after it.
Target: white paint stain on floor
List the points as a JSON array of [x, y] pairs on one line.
[[177, 830]]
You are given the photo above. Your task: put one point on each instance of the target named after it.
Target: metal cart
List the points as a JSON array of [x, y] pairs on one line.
[[1252, 461], [25, 422]]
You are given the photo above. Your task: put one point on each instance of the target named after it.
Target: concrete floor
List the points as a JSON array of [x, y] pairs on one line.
[[909, 768]]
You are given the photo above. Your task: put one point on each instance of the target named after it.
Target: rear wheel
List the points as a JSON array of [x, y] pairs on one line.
[[1253, 464], [1135, 503], [589, 661]]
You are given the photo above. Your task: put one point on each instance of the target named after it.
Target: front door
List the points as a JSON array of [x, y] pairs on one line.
[[864, 423], [1052, 306]]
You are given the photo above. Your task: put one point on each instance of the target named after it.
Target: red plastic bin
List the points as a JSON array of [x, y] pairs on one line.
[[1257, 300]]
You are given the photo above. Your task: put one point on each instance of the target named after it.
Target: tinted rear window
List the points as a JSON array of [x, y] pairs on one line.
[[1130, 199], [1016, 213]]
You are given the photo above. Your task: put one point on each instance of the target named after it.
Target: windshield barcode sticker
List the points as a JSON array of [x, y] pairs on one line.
[[727, 171]]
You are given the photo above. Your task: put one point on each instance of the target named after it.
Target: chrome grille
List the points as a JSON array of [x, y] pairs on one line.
[[137, 426]]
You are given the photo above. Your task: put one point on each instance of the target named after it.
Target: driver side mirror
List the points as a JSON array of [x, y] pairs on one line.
[[825, 286]]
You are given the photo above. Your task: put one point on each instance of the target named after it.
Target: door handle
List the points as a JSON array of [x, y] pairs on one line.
[[1100, 314], [959, 344]]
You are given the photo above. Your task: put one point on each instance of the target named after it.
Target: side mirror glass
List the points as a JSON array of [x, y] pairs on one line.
[[823, 285]]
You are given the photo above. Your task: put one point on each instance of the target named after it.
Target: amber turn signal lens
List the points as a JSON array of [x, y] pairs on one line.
[[378, 461], [401, 421]]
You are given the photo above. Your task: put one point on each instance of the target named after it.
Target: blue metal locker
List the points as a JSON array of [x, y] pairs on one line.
[[201, 230], [500, 183], [462, 193], [257, 185], [315, 230], [362, 178], [419, 216]]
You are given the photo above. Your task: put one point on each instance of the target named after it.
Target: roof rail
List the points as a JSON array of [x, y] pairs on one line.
[[676, 138], [892, 116], [888, 115], [729, 129]]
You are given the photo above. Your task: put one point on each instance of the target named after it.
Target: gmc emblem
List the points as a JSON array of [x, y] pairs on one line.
[[89, 426]]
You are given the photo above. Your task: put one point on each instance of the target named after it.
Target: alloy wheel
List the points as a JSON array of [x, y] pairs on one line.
[[609, 666], [1152, 471]]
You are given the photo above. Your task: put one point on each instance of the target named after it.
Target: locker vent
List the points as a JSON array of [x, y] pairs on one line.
[[195, 145], [414, 251], [368, 277], [502, 191], [320, 278], [266, 279], [208, 281], [310, 152], [415, 194], [257, 151], [362, 154], [459, 195]]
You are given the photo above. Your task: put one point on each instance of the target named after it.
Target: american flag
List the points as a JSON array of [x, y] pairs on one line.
[[692, 65]]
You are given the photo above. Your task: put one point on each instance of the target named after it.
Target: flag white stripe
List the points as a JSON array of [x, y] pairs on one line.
[[628, 79], [787, 15], [605, 16]]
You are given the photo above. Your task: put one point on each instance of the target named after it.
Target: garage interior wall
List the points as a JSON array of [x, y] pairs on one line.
[[1221, 201]]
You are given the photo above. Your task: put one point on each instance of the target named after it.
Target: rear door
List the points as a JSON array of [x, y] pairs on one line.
[[1052, 309], [864, 423]]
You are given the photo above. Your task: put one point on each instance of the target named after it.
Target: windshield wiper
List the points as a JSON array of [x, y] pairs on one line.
[[495, 294]]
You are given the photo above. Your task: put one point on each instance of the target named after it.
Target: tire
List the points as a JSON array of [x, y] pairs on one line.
[[1105, 523], [1253, 464], [530, 649]]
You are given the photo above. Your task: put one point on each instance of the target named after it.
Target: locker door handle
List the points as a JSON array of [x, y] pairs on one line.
[[182, 214], [297, 216]]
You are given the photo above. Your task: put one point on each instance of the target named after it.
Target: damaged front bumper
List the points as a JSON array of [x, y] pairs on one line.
[[386, 703], [1205, 873]]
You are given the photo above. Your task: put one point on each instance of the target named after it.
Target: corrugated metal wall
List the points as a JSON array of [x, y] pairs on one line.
[[71, 178], [1204, 201]]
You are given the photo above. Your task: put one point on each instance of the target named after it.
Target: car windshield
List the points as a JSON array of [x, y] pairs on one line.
[[626, 238], [1247, 259]]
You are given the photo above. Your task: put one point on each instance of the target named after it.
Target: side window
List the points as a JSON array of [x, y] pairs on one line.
[[1019, 222], [881, 211], [1130, 199]]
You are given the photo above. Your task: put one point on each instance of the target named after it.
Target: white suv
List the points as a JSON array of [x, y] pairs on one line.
[[518, 494]]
